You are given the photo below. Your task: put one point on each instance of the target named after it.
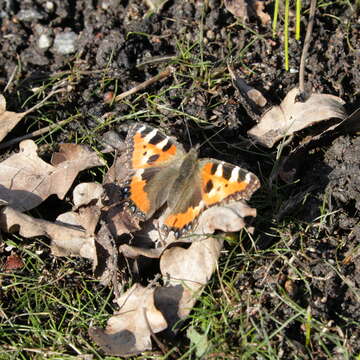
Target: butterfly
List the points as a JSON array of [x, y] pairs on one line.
[[162, 174]]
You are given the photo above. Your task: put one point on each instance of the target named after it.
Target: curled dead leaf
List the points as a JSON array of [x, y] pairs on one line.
[[66, 240], [8, 119], [86, 193], [129, 332], [186, 270], [26, 180], [292, 115]]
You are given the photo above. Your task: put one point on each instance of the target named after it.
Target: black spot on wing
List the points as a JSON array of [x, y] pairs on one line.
[[213, 168], [149, 174], [157, 138], [153, 158], [227, 170], [209, 185], [146, 131], [167, 146]]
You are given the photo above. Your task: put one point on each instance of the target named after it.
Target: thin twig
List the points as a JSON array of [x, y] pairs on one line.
[[33, 134], [12, 76], [306, 48], [156, 60], [41, 103], [222, 286], [34, 350], [164, 74]]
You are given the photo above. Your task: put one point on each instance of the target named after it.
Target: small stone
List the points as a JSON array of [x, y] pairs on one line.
[[64, 43], [29, 15], [44, 42], [210, 35], [105, 4], [49, 6], [108, 97], [112, 139]]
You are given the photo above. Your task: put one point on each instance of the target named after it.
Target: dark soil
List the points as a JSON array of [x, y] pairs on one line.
[[113, 42]]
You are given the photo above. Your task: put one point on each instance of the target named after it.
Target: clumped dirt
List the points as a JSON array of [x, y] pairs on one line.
[[132, 45]]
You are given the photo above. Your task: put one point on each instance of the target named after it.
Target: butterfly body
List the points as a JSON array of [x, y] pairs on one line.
[[161, 174]]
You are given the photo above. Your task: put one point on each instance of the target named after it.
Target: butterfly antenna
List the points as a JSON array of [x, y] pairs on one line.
[[212, 136], [188, 132]]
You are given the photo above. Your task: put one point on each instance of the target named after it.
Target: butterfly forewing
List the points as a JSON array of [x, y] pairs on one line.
[[153, 158]]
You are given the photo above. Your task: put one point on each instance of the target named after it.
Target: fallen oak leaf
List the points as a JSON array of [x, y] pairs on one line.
[[186, 273], [191, 269], [119, 221], [65, 240], [133, 252], [87, 201], [292, 115], [292, 163], [9, 119], [127, 332], [26, 180], [69, 161]]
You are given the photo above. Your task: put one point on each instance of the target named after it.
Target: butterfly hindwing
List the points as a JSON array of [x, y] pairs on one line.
[[213, 182]]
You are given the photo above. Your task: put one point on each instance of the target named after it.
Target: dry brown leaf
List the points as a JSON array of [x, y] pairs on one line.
[[65, 240], [106, 262], [237, 8], [85, 219], [133, 252], [128, 331], [191, 268], [186, 272], [244, 8], [291, 116], [13, 262], [8, 119], [120, 221], [258, 7], [86, 193], [26, 180], [292, 163], [86, 197]]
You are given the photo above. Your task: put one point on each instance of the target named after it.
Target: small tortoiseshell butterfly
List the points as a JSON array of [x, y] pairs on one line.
[[162, 172]]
